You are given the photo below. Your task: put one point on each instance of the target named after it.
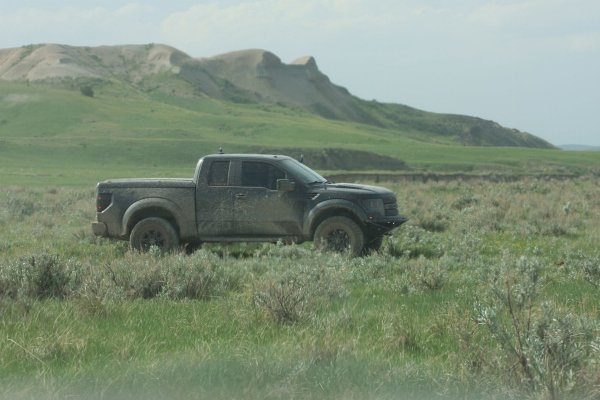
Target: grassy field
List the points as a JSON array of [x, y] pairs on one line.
[[491, 290], [56, 136]]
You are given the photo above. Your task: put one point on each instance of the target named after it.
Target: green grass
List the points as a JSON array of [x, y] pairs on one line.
[[50, 135], [83, 317]]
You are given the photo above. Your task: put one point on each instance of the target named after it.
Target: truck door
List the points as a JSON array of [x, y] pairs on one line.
[[214, 200], [259, 209]]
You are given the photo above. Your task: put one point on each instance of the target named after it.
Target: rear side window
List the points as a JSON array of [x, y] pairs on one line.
[[259, 174], [218, 173]]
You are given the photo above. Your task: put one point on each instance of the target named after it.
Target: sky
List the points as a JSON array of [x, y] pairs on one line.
[[533, 65]]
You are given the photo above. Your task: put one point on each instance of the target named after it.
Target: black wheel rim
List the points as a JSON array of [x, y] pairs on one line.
[[152, 238], [338, 240]]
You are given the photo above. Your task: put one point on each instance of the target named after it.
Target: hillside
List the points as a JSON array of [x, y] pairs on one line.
[[245, 77], [578, 147]]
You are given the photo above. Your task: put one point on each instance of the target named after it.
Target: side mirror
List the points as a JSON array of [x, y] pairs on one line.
[[285, 185]]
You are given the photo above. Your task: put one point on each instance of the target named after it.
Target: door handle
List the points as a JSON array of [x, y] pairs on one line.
[[240, 196]]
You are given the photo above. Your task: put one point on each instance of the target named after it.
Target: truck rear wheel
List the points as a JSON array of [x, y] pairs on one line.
[[153, 232], [340, 234]]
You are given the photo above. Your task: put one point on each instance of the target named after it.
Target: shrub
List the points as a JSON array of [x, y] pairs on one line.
[[36, 276], [434, 224], [281, 250], [87, 91], [543, 349], [19, 207], [591, 271], [430, 274], [200, 276], [414, 242], [285, 300], [139, 277], [288, 297], [465, 202]]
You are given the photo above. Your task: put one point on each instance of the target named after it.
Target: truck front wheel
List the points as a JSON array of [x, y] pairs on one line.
[[340, 234], [153, 232]]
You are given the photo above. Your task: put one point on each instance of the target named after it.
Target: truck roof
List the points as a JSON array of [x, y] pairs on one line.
[[248, 156]]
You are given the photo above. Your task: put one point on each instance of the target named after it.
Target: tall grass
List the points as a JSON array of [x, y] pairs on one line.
[[491, 289]]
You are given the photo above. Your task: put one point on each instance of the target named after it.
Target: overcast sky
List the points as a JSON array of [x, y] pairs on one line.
[[533, 65]]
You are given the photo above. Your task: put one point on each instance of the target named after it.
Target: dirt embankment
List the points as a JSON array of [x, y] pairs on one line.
[[340, 159], [434, 177]]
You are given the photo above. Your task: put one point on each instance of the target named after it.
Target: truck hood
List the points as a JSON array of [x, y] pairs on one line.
[[148, 183], [352, 189]]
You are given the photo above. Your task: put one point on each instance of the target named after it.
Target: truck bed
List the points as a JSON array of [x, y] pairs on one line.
[[149, 183]]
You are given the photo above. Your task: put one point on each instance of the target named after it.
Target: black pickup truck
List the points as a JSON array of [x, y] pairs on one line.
[[246, 198]]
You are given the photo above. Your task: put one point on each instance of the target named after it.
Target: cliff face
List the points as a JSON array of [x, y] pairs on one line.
[[299, 83], [52, 61], [249, 76]]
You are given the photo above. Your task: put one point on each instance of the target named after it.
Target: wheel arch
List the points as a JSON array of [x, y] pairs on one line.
[[334, 208], [152, 207]]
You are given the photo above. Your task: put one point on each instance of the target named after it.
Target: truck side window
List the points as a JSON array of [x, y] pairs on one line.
[[259, 174], [218, 173]]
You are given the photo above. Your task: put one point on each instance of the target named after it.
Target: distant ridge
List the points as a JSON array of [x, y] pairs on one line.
[[54, 61], [249, 76], [578, 147]]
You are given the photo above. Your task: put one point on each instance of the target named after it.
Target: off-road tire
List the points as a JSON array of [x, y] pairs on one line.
[[340, 234], [153, 232]]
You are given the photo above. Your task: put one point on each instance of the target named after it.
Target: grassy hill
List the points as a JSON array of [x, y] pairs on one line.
[[56, 135], [248, 77], [264, 78], [76, 115]]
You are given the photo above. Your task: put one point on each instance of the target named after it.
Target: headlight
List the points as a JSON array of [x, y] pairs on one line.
[[373, 206]]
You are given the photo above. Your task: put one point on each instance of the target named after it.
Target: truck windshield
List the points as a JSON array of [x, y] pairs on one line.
[[302, 172]]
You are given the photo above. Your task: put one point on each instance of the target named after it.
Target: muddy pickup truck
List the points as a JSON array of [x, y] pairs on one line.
[[246, 198]]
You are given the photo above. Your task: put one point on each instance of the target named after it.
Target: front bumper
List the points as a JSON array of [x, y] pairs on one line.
[[99, 229], [382, 226]]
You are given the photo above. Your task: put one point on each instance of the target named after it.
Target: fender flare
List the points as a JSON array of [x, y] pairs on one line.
[[330, 205], [153, 202]]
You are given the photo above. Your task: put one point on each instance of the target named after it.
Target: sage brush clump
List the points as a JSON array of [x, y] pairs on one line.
[[202, 275], [591, 271], [38, 276], [291, 295], [543, 348], [414, 242]]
